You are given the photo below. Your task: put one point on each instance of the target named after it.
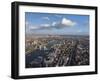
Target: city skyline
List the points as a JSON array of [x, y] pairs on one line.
[[60, 24]]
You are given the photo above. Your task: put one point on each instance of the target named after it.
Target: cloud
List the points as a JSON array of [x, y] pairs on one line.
[[64, 23], [30, 26], [33, 27], [40, 27], [68, 22], [79, 31], [45, 25], [58, 16], [46, 18], [54, 23]]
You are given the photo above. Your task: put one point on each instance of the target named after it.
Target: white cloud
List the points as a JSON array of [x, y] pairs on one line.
[[30, 26], [42, 26], [33, 27], [45, 25], [54, 23], [58, 16], [79, 31], [47, 18], [68, 22]]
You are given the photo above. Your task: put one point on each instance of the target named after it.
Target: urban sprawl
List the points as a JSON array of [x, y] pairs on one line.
[[56, 51]]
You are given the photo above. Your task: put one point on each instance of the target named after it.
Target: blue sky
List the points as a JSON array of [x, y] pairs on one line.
[[60, 24]]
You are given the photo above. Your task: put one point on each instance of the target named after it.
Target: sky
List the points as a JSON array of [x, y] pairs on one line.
[[56, 24]]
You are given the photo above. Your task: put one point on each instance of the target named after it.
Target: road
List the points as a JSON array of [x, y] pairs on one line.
[[72, 56]]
